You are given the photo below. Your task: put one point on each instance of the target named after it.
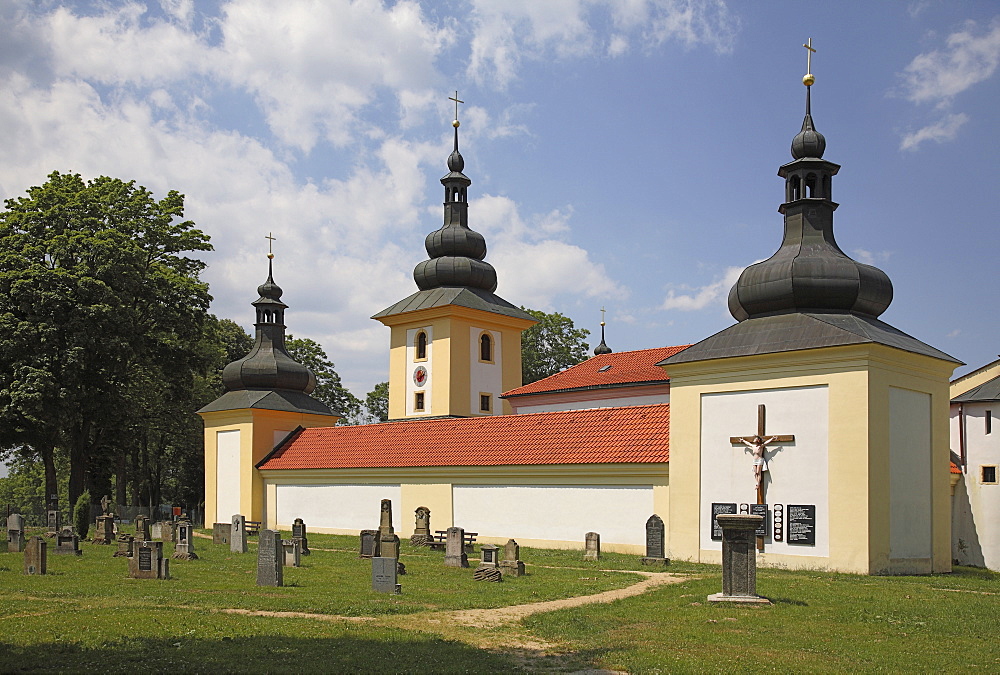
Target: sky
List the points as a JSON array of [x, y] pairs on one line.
[[623, 153]]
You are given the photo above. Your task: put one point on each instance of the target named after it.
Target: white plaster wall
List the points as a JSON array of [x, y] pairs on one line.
[[485, 377], [411, 365], [909, 474], [345, 507], [797, 472], [609, 402], [977, 507], [227, 475], [555, 512]]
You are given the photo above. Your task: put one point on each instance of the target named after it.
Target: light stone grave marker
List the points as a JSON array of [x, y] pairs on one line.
[[184, 548], [422, 527], [384, 575], [35, 558], [489, 567], [592, 546], [238, 535], [221, 532], [67, 543], [454, 548], [15, 533], [126, 543], [511, 564], [369, 544], [291, 553], [142, 532]]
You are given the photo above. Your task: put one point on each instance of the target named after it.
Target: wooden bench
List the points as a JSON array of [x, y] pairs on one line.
[[441, 538], [252, 527]]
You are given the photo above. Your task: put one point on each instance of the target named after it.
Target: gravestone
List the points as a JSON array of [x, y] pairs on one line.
[[269, 559], [654, 542], [489, 564], [168, 531], [52, 520], [67, 543], [142, 532], [385, 518], [369, 544], [384, 577], [511, 564], [147, 561], [104, 530], [15, 533], [126, 543], [388, 542], [35, 556], [739, 559], [422, 528], [291, 553], [238, 534], [220, 533], [454, 548], [184, 548], [299, 534], [592, 546], [155, 531]]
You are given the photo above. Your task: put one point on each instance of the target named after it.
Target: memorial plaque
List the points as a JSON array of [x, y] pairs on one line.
[[145, 559], [718, 508], [384, 575], [761, 510], [800, 524]]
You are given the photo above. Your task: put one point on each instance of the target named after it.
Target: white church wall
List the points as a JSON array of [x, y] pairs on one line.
[[909, 474], [609, 401], [342, 508], [976, 504], [228, 486], [485, 377], [555, 512], [798, 472]]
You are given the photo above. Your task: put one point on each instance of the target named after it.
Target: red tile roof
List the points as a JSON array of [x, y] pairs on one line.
[[596, 436], [626, 368], [954, 468]]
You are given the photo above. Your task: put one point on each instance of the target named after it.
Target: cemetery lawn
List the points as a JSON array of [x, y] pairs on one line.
[[86, 615]]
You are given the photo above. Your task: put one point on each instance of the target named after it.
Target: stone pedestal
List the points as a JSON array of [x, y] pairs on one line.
[[269, 559], [384, 573], [489, 564], [238, 534], [125, 546], [67, 543], [299, 534], [184, 548], [147, 561], [104, 530], [291, 553], [655, 532], [592, 546], [221, 532], [422, 529], [35, 559], [739, 559], [142, 532], [454, 548]]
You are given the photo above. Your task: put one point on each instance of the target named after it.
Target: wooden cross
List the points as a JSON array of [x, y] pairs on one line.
[[761, 438], [809, 55], [455, 99]]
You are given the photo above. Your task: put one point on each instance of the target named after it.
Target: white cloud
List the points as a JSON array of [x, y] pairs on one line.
[[941, 131], [699, 298], [970, 56], [870, 257]]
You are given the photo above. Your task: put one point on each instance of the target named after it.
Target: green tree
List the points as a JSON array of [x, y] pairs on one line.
[[81, 514], [377, 403], [551, 345], [99, 303], [329, 388]]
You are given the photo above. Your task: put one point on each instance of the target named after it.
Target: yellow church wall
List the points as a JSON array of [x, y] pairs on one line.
[[974, 379], [858, 379]]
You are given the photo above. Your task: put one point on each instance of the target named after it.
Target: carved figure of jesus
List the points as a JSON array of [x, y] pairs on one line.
[[757, 446]]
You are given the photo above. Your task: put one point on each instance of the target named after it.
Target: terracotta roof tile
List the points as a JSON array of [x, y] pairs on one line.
[[596, 436], [633, 367], [954, 468]]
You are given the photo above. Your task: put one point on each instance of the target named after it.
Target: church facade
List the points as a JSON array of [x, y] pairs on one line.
[[809, 410]]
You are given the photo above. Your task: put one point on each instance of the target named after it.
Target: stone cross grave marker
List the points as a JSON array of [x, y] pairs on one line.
[[147, 561], [511, 564], [299, 534], [422, 528], [15, 533], [655, 542], [739, 559], [238, 535], [67, 543], [592, 546], [384, 575], [221, 532], [35, 561], [454, 548], [369, 544], [291, 553], [269, 559], [184, 548]]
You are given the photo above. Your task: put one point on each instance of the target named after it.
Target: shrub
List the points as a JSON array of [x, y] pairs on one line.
[[81, 514]]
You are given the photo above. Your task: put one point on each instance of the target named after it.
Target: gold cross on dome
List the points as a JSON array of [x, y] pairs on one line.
[[270, 239], [455, 99], [809, 54]]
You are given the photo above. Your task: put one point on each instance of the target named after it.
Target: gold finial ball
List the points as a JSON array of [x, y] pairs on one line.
[[808, 79], [270, 256], [602, 323], [456, 124]]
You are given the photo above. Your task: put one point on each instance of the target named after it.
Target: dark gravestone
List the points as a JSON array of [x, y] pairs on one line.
[[739, 559], [369, 543], [384, 572], [238, 535], [67, 543], [801, 527], [717, 509], [221, 532], [35, 561], [592, 546], [422, 528], [184, 548], [655, 548], [454, 548], [15, 533], [269, 559], [511, 564], [299, 534], [147, 561]]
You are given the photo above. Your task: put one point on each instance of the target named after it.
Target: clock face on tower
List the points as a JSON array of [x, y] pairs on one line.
[[420, 376]]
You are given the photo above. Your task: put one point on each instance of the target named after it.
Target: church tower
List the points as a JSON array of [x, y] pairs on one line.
[[810, 410], [455, 345], [267, 397]]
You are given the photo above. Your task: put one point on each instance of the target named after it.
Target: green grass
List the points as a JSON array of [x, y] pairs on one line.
[[86, 615]]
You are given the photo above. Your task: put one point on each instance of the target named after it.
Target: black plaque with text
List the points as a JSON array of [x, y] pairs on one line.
[[145, 560], [800, 524], [718, 508], [761, 510]]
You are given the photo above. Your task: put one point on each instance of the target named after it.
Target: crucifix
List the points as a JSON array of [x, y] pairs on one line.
[[270, 239], [758, 444]]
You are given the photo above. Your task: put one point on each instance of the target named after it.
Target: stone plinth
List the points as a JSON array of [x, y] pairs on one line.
[[35, 558], [67, 543], [454, 548], [739, 559], [142, 532], [126, 543]]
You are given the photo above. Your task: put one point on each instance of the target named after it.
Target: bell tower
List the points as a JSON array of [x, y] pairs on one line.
[[455, 345]]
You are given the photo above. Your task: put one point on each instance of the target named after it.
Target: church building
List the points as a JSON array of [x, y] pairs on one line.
[[809, 410]]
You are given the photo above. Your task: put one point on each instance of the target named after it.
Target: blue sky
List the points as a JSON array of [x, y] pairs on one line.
[[623, 153]]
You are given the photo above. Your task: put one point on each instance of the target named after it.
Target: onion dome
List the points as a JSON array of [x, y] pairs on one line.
[[268, 365], [456, 252], [809, 272], [602, 348]]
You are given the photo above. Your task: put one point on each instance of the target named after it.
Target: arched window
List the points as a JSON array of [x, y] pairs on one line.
[[421, 345], [486, 347]]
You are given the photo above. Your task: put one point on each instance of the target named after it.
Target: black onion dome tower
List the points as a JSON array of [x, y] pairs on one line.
[[602, 348], [456, 252]]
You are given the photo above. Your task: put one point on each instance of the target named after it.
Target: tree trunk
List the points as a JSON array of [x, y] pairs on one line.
[[48, 453], [79, 457]]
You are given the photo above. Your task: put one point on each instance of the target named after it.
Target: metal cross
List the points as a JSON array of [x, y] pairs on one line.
[[809, 55], [270, 239], [455, 99], [602, 316]]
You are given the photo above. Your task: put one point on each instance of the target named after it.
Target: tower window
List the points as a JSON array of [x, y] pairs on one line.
[[988, 475], [418, 401], [421, 347], [485, 403], [486, 348], [989, 421]]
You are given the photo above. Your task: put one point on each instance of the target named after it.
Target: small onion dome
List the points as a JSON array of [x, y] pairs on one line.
[[808, 142], [269, 290], [268, 367], [455, 271], [602, 348], [456, 162], [455, 240]]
